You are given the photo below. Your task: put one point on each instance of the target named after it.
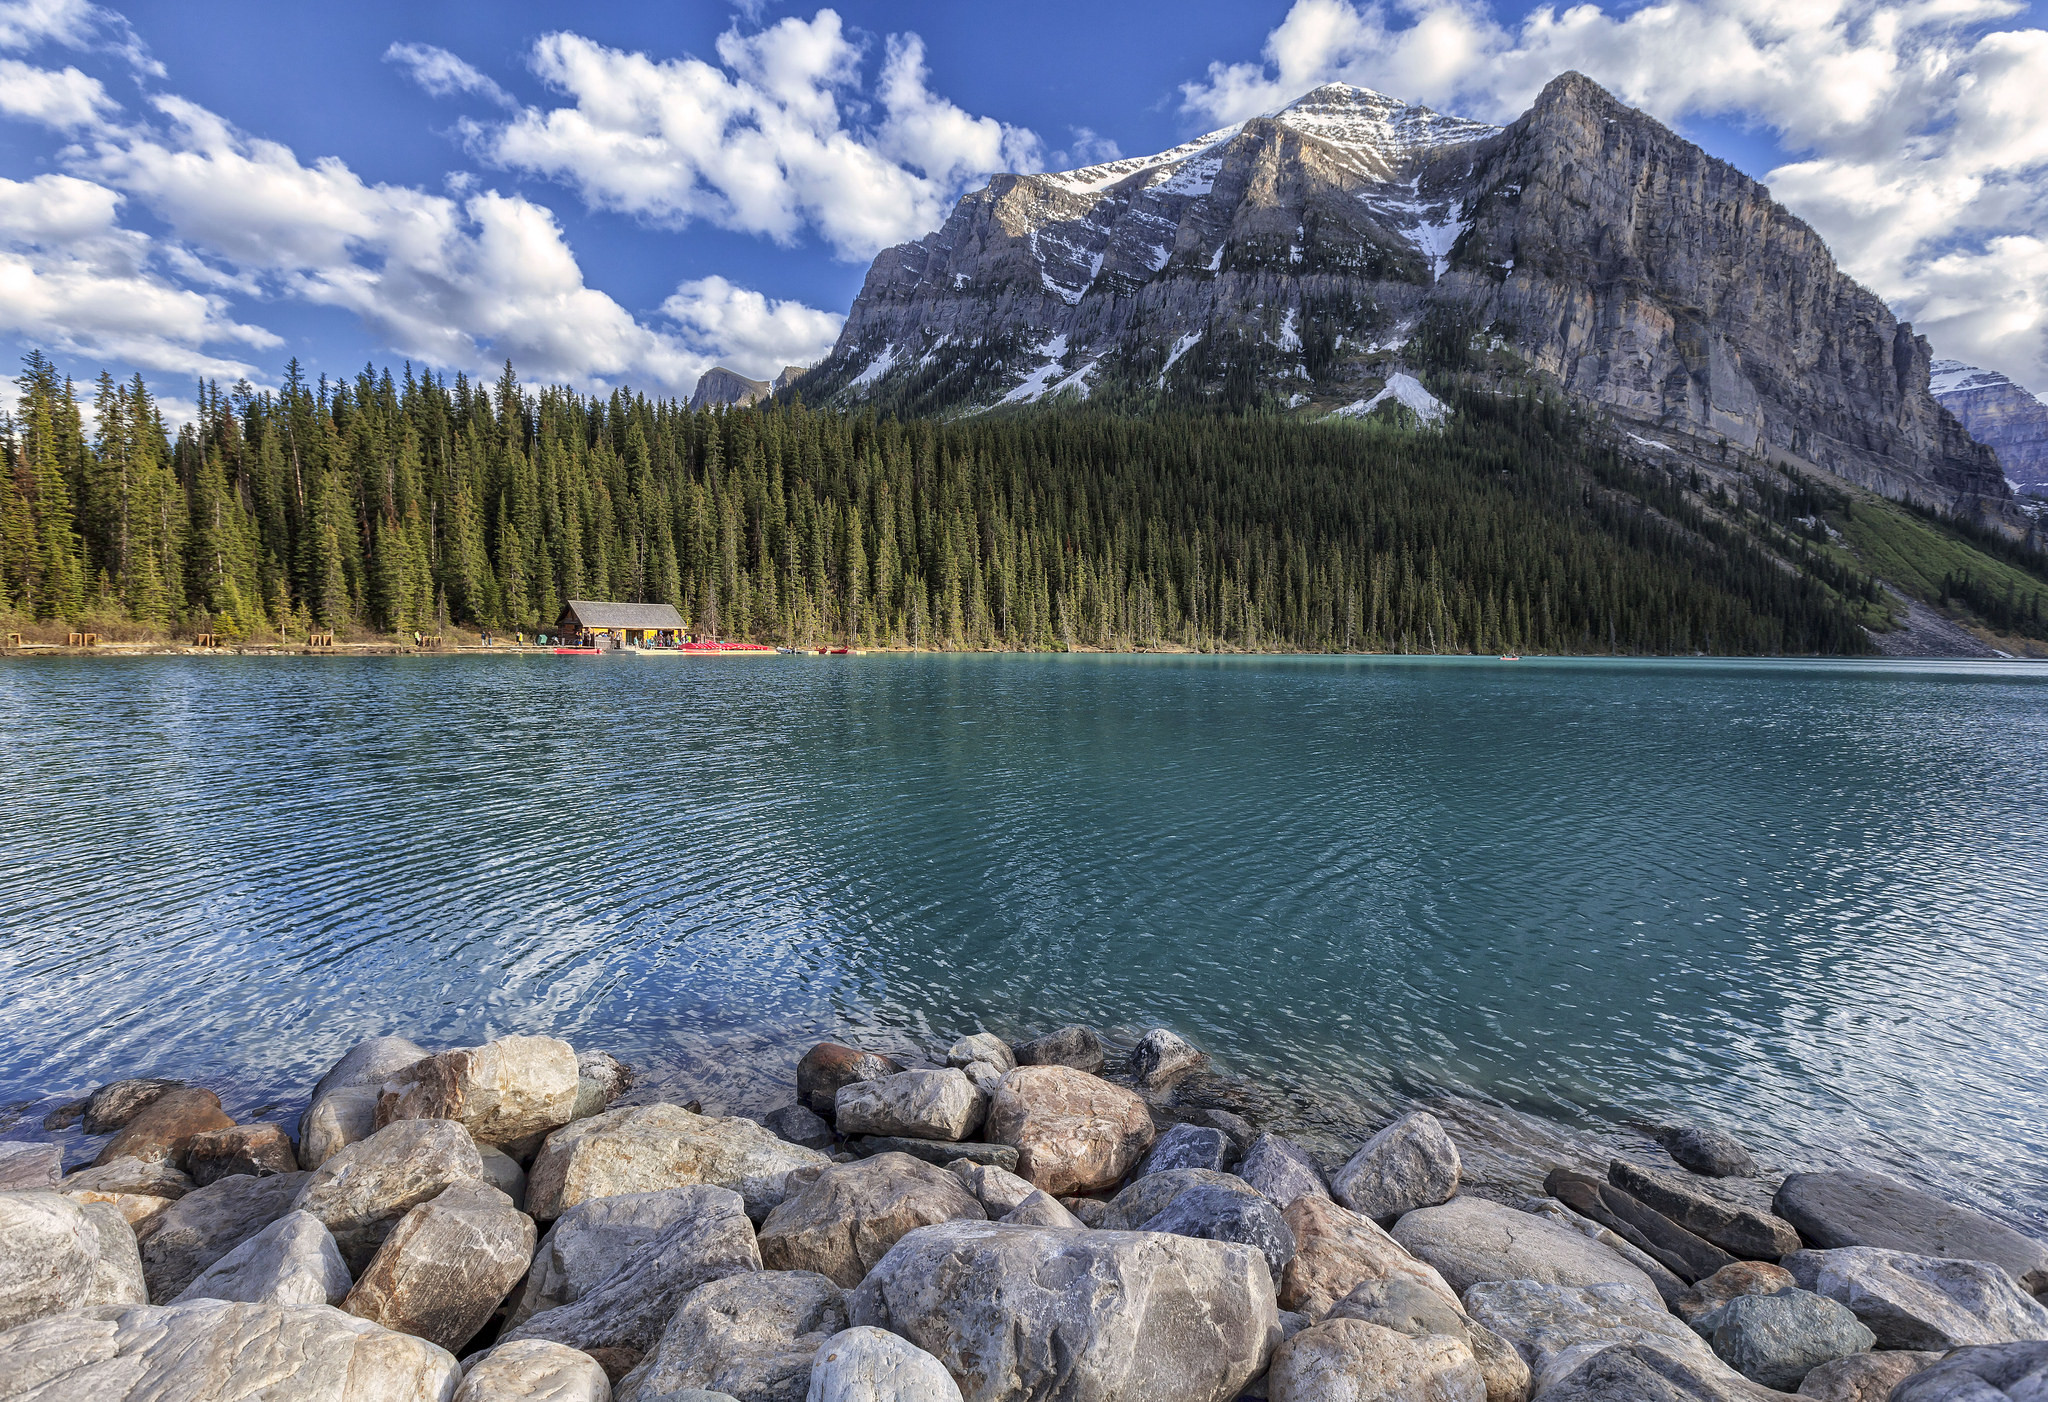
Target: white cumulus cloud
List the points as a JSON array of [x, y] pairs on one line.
[[440, 73], [61, 98], [73, 24], [1919, 127], [746, 331]]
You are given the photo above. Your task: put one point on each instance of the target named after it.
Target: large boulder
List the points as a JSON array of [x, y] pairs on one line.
[[502, 1091], [864, 1364], [1669, 1286], [1282, 1170], [206, 1224], [852, 1213], [1162, 1055], [588, 1243], [1073, 1132], [141, 1177], [623, 1301], [533, 1370], [751, 1336], [27, 1166], [1992, 1373], [1217, 1214], [1028, 1313], [222, 1351], [1349, 1360], [446, 1265], [912, 1104], [1406, 1307], [1189, 1146], [1864, 1377], [1712, 1153], [163, 1129], [1778, 1339], [1411, 1163], [1689, 1257], [646, 1148], [1556, 1327], [1470, 1240], [370, 1062], [293, 1261], [1859, 1208], [58, 1255], [1336, 1250], [361, 1193], [257, 1150], [1739, 1230], [829, 1066], [1922, 1302], [1076, 1047]]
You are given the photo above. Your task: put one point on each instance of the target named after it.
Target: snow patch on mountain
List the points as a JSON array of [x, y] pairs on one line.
[[1403, 389]]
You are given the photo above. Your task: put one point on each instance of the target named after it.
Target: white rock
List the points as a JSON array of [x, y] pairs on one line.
[[25, 1166], [335, 1121], [753, 1336], [1041, 1209], [501, 1091], [293, 1261], [864, 1364], [1558, 1327], [206, 1224], [1470, 1240], [56, 1255], [1349, 1360], [590, 1243], [1411, 1163], [983, 1047], [446, 1266], [1922, 1302], [649, 1147], [997, 1189], [362, 1192], [364, 1067], [533, 1370], [913, 1104]]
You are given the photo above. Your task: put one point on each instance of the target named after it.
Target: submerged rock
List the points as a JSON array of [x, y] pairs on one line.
[[1073, 1132], [828, 1066], [1028, 1313], [501, 1092], [1281, 1170], [293, 1261], [257, 1150], [1922, 1302], [1709, 1152], [1336, 1251], [207, 1223], [913, 1105], [443, 1269], [164, 1128], [753, 1336], [1470, 1240], [1077, 1047], [852, 1213], [1411, 1163], [116, 1103], [1857, 1208], [361, 1193], [864, 1364], [650, 1147]]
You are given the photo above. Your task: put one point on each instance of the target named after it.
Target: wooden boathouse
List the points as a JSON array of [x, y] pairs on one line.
[[631, 625]]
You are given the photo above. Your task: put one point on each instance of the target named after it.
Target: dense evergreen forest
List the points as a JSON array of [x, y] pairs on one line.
[[412, 503]]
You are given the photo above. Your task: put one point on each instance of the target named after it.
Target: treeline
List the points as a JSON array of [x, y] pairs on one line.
[[396, 504]]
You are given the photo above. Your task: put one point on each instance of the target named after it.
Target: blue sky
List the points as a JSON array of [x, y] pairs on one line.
[[629, 193]]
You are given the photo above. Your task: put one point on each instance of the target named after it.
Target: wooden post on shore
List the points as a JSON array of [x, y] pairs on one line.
[[82, 640]]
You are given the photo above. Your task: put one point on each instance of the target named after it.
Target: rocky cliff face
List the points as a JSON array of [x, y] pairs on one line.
[[1309, 257], [719, 385], [2003, 416]]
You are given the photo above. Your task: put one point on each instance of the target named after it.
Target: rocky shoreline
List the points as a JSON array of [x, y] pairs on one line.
[[1046, 1220]]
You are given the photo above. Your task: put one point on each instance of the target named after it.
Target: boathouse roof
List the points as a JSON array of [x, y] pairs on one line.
[[596, 613]]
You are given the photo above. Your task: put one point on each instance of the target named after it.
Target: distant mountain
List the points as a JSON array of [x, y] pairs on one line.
[[1999, 413], [1305, 259], [719, 385]]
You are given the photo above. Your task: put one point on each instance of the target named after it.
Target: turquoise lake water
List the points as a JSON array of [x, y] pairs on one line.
[[1808, 901]]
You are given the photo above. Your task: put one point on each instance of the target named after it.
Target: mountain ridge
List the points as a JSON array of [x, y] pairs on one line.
[[2009, 418]]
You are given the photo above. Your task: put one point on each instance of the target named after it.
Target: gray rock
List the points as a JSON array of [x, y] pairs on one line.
[[1731, 1282], [223, 1351], [828, 1066], [1407, 1307], [1678, 1250], [1089, 1212], [293, 1261], [646, 1148], [1556, 1327], [938, 1151], [1162, 1055], [113, 1105], [503, 1091], [1042, 1210], [1026, 1313], [864, 1364], [996, 1189], [1857, 1208], [753, 1336], [1778, 1339], [1864, 1377], [1073, 1132], [852, 1213], [601, 1078], [1077, 1047], [533, 1370], [589, 1243], [117, 1272], [503, 1172], [164, 1128], [24, 1166], [912, 1105], [708, 1239], [1922, 1302], [1281, 1170], [1643, 1372], [799, 1125], [361, 1193], [1336, 1250], [369, 1062], [983, 1047], [442, 1271], [257, 1150], [336, 1120], [1236, 1126], [1470, 1240], [1741, 1231], [1146, 1197], [1217, 1214], [1409, 1164], [206, 1224], [1708, 1152], [144, 1177], [1349, 1360], [1993, 1373], [985, 1075], [1189, 1146], [1669, 1286]]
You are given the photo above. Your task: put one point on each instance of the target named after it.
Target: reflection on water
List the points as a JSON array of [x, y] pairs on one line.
[[1803, 899]]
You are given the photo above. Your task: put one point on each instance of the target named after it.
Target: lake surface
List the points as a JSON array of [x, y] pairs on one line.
[[1805, 900]]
